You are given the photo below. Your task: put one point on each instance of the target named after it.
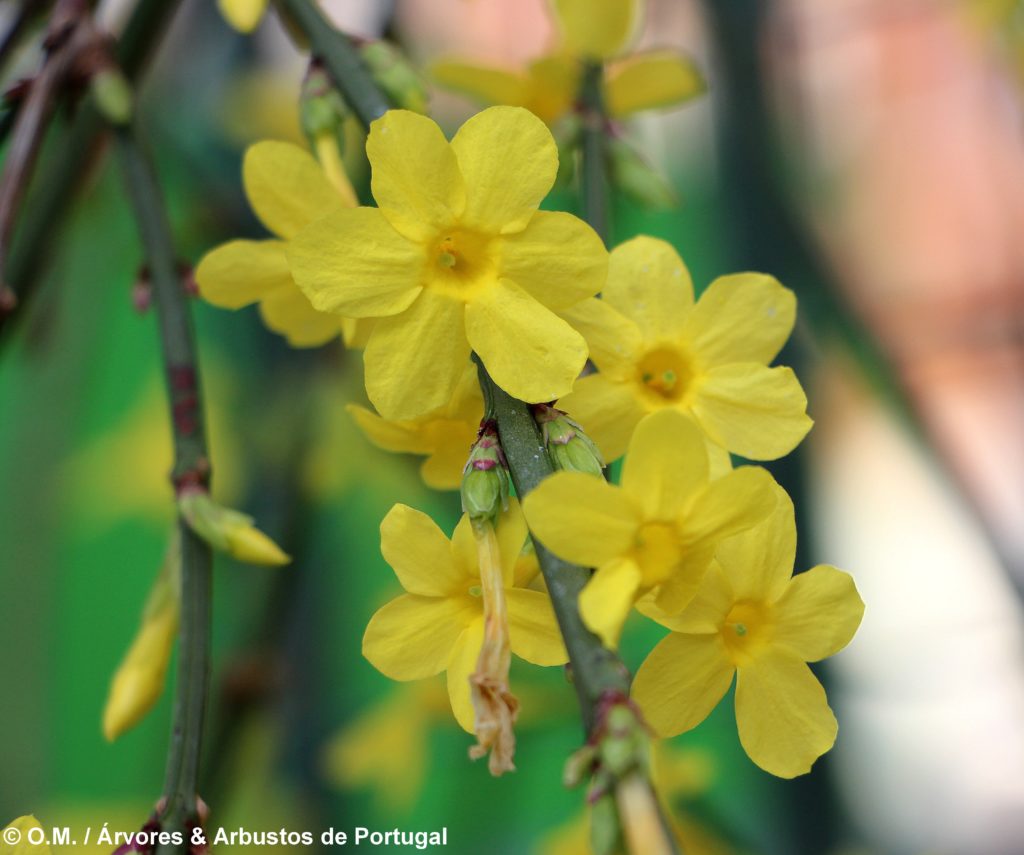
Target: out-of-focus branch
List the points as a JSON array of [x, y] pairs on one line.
[[64, 167], [191, 469], [594, 155]]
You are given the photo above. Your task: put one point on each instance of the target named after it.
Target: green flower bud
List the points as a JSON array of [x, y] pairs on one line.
[[570, 448], [485, 482], [112, 95], [395, 75], [228, 530], [579, 765], [638, 179], [322, 109]]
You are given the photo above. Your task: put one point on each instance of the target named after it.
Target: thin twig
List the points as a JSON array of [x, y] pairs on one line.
[[594, 154], [192, 469]]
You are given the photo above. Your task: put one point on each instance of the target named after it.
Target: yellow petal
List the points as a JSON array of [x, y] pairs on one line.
[[581, 518], [680, 589], [647, 81], [354, 263], [241, 272], [464, 549], [414, 360], [508, 160], [737, 501], [613, 339], [481, 83], [355, 332], [650, 285], [782, 714], [533, 630], [707, 610], [681, 681], [461, 665], [819, 613], [667, 462], [754, 411], [608, 598], [416, 180], [243, 15], [745, 317], [24, 826], [607, 410], [529, 351], [286, 187], [413, 637], [389, 435], [758, 562], [419, 553], [443, 469], [596, 29], [287, 311], [558, 259], [552, 86]]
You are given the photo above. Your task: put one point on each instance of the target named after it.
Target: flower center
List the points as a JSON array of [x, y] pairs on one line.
[[665, 374], [463, 263], [747, 631], [657, 552]]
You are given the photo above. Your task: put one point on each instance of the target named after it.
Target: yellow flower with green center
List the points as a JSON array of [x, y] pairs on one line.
[[287, 189], [657, 533], [456, 257], [243, 15], [444, 435], [590, 31], [753, 619], [438, 624], [656, 349]]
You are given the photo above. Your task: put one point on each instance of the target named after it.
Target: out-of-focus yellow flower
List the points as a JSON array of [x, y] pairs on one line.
[[444, 436], [17, 838], [656, 533], [438, 625], [243, 15], [385, 748], [656, 349], [457, 256], [753, 619], [140, 443], [139, 680], [550, 86], [287, 189], [228, 530]]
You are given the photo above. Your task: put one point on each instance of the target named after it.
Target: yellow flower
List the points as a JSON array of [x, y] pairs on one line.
[[287, 189], [456, 257], [549, 86], [656, 533], [19, 838], [444, 435], [438, 625], [385, 747], [752, 618], [656, 349], [139, 679], [243, 15]]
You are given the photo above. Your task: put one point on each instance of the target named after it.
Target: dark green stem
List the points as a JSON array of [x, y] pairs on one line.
[[594, 167], [597, 672], [191, 470], [341, 59], [65, 166]]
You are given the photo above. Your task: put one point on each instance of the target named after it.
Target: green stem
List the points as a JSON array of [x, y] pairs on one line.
[[191, 468], [341, 59], [597, 672], [64, 168], [594, 167]]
